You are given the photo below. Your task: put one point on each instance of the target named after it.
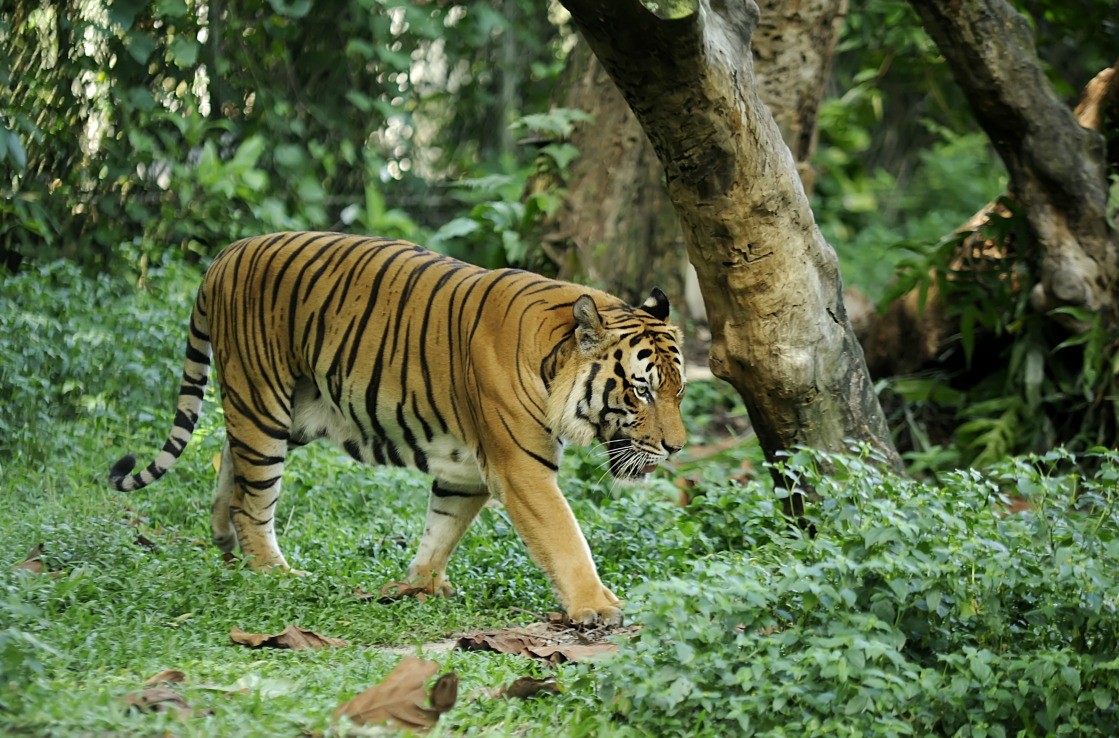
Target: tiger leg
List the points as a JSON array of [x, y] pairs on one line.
[[450, 511], [221, 526], [544, 521], [257, 469]]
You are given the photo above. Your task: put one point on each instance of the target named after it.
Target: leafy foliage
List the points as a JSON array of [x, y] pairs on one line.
[[502, 210], [1034, 386], [917, 610], [137, 126], [901, 162], [65, 363], [920, 608]]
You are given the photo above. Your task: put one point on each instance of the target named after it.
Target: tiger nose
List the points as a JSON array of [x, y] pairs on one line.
[[671, 448]]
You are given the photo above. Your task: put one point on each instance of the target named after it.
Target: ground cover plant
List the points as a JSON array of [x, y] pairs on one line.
[[982, 603]]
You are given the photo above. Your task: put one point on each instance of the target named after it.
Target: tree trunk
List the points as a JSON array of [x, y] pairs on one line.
[[770, 282], [1058, 169], [617, 228]]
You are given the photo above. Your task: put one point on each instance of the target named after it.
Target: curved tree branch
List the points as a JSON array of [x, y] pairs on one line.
[[770, 282]]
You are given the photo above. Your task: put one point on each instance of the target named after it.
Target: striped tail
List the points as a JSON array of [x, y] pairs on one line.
[[195, 374]]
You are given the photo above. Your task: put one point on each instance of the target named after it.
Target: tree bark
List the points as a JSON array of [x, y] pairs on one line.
[[793, 49], [770, 282], [617, 228], [1058, 169]]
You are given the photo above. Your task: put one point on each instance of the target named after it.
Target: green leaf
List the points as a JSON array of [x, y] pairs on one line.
[[561, 153], [980, 668], [140, 46], [248, 153], [16, 150], [123, 12], [456, 228], [967, 333], [1034, 375], [359, 100], [1101, 698], [290, 156], [184, 52], [141, 98]]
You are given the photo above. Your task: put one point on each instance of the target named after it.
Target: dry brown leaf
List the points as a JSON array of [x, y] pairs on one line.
[[398, 591], [33, 562], [526, 687], [292, 637], [167, 675], [500, 641], [401, 700], [553, 650], [160, 699], [573, 652]]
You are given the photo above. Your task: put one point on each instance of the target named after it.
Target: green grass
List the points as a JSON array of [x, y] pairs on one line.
[[120, 612], [921, 608], [89, 387]]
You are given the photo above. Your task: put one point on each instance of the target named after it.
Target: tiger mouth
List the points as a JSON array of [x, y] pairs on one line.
[[627, 461]]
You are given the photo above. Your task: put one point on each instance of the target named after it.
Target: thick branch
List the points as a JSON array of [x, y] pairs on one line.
[[771, 286]]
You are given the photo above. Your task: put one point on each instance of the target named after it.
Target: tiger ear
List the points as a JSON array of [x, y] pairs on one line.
[[656, 304], [589, 332]]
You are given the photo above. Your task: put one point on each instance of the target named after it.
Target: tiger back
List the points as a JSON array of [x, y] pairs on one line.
[[406, 357]]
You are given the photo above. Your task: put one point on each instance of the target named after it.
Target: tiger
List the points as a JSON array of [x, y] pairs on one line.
[[406, 357]]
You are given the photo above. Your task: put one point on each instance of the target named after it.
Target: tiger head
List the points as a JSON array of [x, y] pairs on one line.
[[622, 385]]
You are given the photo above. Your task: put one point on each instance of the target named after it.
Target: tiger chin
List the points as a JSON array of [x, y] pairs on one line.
[[405, 357]]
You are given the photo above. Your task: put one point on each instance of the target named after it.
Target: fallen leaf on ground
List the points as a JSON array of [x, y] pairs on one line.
[[33, 562], [544, 641], [161, 699], [526, 687], [401, 700], [292, 637], [395, 591], [167, 675]]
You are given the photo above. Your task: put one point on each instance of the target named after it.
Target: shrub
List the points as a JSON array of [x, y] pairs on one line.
[[916, 610]]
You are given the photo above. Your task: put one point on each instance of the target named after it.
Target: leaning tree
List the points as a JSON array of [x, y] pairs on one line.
[[616, 227], [770, 282]]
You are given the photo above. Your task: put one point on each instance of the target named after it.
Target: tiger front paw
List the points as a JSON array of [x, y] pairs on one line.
[[606, 611], [606, 616], [433, 583]]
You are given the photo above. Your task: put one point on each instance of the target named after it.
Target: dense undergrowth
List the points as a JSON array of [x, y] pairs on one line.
[[984, 603]]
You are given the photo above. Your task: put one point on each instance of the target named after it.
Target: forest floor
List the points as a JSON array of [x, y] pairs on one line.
[[937, 607]]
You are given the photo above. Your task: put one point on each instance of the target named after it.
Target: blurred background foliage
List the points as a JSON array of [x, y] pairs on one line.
[[902, 161], [140, 133], [132, 129], [135, 128]]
